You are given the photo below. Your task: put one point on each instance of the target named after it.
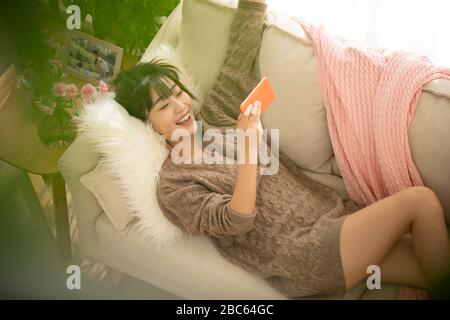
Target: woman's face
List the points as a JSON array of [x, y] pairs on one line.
[[172, 113]]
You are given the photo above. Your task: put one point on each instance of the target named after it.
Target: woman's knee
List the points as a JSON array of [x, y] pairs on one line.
[[424, 201]]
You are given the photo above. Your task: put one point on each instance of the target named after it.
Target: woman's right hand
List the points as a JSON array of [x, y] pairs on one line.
[[249, 122], [244, 194]]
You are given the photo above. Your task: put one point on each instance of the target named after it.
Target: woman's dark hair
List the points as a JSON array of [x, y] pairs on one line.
[[133, 86]]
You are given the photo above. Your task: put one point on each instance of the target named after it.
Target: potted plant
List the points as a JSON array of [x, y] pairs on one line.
[[57, 102], [61, 107]]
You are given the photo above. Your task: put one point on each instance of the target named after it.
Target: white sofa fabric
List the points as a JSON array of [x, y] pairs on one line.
[[194, 269]]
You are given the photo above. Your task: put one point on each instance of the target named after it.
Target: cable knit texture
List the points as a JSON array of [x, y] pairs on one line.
[[292, 239], [240, 71], [370, 96]]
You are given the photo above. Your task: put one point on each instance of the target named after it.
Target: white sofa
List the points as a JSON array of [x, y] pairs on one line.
[[194, 269]]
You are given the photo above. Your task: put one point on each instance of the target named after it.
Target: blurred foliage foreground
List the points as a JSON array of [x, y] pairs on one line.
[[132, 24]]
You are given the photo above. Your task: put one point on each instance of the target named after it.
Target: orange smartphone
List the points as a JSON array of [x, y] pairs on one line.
[[262, 92]]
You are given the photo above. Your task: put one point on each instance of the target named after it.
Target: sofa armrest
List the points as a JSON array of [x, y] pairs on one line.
[[76, 161], [429, 141]]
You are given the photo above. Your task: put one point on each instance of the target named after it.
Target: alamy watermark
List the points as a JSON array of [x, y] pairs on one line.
[[73, 281], [228, 147], [374, 280], [74, 20]]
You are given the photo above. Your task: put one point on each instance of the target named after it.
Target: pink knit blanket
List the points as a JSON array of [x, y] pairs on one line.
[[370, 95]]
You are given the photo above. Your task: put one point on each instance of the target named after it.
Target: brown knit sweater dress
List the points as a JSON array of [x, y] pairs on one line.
[[292, 240]]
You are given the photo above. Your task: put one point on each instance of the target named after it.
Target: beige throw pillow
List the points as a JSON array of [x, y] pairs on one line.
[[107, 190]]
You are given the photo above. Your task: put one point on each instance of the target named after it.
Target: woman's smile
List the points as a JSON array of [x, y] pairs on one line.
[[185, 120]]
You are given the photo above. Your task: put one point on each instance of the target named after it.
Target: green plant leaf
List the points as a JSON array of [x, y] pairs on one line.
[[104, 17]]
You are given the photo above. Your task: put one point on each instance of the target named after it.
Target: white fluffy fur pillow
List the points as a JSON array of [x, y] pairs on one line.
[[132, 152]]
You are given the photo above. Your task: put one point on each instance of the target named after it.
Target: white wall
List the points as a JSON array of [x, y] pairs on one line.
[[419, 26]]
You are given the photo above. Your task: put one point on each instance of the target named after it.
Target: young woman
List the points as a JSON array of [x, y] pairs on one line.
[[296, 233]]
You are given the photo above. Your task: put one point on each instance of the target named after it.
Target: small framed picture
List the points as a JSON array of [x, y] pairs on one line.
[[91, 59]]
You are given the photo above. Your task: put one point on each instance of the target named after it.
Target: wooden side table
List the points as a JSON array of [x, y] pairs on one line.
[[21, 147]]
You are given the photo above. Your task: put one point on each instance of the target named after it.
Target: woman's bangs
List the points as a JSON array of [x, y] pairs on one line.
[[161, 88]]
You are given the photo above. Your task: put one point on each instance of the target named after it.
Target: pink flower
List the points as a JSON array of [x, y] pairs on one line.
[[88, 92], [71, 90], [103, 87], [59, 89]]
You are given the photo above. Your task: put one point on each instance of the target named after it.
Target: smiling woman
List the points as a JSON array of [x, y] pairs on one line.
[[171, 110], [133, 87]]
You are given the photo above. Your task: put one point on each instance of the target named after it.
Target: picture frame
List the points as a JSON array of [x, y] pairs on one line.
[[91, 59]]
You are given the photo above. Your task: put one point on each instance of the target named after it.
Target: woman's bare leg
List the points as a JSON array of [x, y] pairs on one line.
[[401, 266], [369, 234]]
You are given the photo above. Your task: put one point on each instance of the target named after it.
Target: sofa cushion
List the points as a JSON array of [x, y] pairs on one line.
[[202, 53], [108, 193], [429, 141], [331, 180], [298, 110]]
